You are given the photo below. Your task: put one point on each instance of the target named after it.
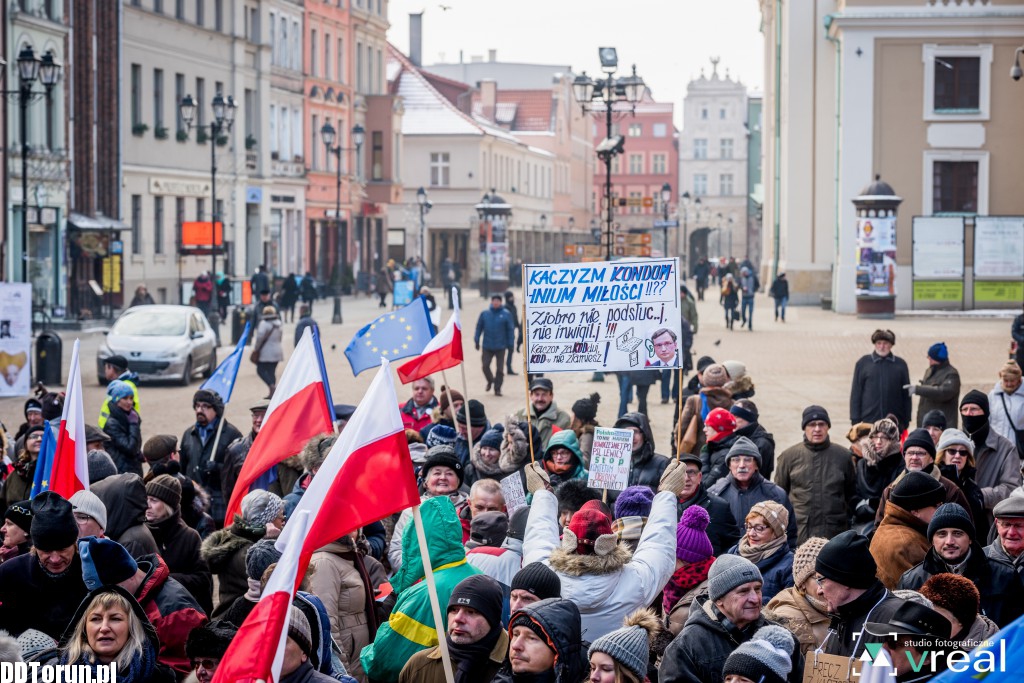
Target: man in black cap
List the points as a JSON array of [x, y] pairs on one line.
[[33, 417], [199, 461], [476, 641], [206, 646], [263, 299], [498, 334], [477, 422], [544, 412], [533, 583], [955, 550], [116, 367], [996, 459], [879, 379], [934, 421], [901, 539], [42, 590], [819, 478], [847, 584], [722, 530], [919, 456], [904, 636], [1008, 546]]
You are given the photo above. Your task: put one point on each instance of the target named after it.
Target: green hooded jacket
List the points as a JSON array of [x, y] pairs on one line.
[[411, 625]]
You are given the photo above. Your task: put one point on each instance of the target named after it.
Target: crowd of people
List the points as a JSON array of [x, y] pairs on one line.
[[723, 559]]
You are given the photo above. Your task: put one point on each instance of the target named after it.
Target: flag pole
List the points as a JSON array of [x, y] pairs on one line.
[[526, 373], [679, 411], [216, 438], [465, 388], [435, 606]]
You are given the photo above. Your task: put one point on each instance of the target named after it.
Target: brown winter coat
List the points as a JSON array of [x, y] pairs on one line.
[[953, 493], [899, 543], [718, 397], [337, 582], [939, 390], [821, 485], [680, 612], [426, 667], [790, 608]]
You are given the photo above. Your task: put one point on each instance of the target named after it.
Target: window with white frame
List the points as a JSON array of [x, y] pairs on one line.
[[636, 164], [635, 130], [957, 82], [725, 148], [658, 163], [700, 184], [440, 169], [725, 184], [700, 148]]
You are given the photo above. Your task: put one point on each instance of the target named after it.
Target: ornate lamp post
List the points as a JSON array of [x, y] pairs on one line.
[[329, 135]]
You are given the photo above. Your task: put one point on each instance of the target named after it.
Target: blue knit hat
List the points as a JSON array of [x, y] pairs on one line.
[[440, 435], [635, 501], [938, 351], [117, 390], [105, 562]]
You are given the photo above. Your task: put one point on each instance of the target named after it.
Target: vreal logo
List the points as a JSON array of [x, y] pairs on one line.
[[935, 656]]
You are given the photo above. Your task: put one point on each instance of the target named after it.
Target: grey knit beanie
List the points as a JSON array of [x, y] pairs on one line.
[[728, 572], [767, 657], [259, 556], [260, 508], [299, 631], [744, 446], [630, 645]]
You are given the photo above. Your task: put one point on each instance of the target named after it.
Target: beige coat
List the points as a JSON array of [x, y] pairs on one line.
[[790, 608], [680, 612], [337, 583]]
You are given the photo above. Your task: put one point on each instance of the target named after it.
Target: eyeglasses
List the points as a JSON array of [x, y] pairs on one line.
[[208, 664], [759, 528], [818, 580], [690, 474], [957, 451]]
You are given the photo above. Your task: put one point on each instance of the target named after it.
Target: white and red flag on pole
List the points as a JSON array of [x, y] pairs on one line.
[[256, 653], [367, 475], [442, 352], [299, 410], [70, 470]]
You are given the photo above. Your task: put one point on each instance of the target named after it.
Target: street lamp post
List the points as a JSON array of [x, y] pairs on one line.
[[46, 70], [224, 110], [329, 135], [666, 196], [425, 206], [609, 91]]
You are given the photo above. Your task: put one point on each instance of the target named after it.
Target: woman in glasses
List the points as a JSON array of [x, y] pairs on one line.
[[955, 459], [766, 545]]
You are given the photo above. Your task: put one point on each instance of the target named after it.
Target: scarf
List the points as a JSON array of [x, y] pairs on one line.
[[554, 468], [813, 601], [761, 552], [976, 427], [483, 467], [957, 568], [470, 661], [684, 579]]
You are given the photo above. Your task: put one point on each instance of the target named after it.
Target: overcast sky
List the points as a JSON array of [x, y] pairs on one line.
[[668, 40]]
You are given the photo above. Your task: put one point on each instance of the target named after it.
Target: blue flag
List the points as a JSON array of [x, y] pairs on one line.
[[399, 334], [999, 660], [223, 378], [44, 463]]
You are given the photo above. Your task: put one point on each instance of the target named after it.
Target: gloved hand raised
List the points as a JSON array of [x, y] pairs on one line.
[[673, 478], [536, 478]]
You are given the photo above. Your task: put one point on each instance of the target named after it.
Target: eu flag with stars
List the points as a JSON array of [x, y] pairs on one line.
[[394, 335]]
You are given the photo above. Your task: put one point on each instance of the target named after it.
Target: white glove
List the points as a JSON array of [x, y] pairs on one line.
[[911, 389]]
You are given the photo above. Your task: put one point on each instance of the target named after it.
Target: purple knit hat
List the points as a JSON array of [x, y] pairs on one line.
[[634, 501], [692, 542]]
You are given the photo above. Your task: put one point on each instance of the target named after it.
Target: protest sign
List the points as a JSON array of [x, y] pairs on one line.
[[403, 293], [604, 316], [512, 490], [610, 459], [822, 668], [15, 338]]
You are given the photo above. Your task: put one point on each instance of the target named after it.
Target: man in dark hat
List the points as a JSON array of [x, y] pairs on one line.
[[905, 636], [996, 459], [939, 389], [901, 540], [206, 646], [533, 583], [477, 422], [199, 461], [476, 641], [544, 412], [934, 421], [879, 384], [42, 590], [33, 417], [116, 367], [496, 331]]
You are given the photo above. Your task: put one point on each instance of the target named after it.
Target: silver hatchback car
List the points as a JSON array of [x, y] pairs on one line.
[[161, 342]]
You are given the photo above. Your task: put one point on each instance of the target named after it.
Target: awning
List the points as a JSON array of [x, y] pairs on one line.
[[79, 221]]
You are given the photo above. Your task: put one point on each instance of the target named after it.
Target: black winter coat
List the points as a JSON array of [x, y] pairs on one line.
[[760, 489], [972, 492], [722, 530], [179, 545], [124, 496], [877, 390], [560, 622], [29, 598], [647, 466], [851, 617], [713, 463], [196, 464], [125, 445], [698, 653], [1002, 594], [765, 443]]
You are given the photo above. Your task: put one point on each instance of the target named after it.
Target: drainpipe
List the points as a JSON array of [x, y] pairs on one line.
[[838, 101], [777, 171]]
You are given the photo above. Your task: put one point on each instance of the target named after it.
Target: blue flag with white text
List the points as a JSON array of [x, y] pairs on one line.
[[223, 378], [399, 334]]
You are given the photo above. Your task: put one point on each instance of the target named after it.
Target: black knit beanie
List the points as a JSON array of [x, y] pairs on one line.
[[481, 593], [920, 438], [537, 578], [847, 560], [585, 409], [916, 491]]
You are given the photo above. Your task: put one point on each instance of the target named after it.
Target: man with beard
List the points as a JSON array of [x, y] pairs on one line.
[[199, 462], [476, 642]]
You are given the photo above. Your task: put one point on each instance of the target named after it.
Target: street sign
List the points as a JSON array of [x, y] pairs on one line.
[[633, 238], [666, 224], [634, 201], [648, 202], [633, 251]]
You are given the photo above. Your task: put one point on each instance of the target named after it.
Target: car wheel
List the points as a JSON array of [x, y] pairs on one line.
[[186, 375], [212, 365]]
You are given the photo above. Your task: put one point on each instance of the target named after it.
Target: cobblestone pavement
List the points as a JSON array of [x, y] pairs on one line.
[[809, 359]]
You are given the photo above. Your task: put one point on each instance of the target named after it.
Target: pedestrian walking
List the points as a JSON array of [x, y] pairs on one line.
[[780, 293], [701, 273], [749, 286], [223, 287], [496, 331], [307, 290], [729, 298], [288, 297], [202, 292], [385, 285], [268, 352]]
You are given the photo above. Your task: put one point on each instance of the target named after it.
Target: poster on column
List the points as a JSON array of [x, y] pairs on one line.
[[876, 256], [604, 316], [15, 338]]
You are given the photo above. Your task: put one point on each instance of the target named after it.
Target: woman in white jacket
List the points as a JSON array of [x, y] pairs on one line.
[[597, 572]]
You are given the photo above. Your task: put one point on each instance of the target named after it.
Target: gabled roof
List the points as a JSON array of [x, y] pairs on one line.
[[427, 112], [530, 111]]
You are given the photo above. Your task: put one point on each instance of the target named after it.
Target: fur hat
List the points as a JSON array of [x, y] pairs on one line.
[[775, 515], [538, 579], [440, 435], [767, 657], [883, 335], [573, 494], [315, 451], [165, 488], [954, 593], [260, 508], [728, 572], [804, 558], [589, 533], [210, 640], [53, 522], [916, 491], [634, 501], [101, 466], [88, 503], [585, 409], [715, 375], [886, 428], [692, 542], [210, 397], [630, 645]]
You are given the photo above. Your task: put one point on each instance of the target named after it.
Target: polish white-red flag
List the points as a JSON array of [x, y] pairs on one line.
[[367, 475], [256, 653], [299, 410], [70, 470], [442, 352]]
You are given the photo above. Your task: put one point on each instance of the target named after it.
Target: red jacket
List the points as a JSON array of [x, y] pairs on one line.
[[409, 419], [171, 609]]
